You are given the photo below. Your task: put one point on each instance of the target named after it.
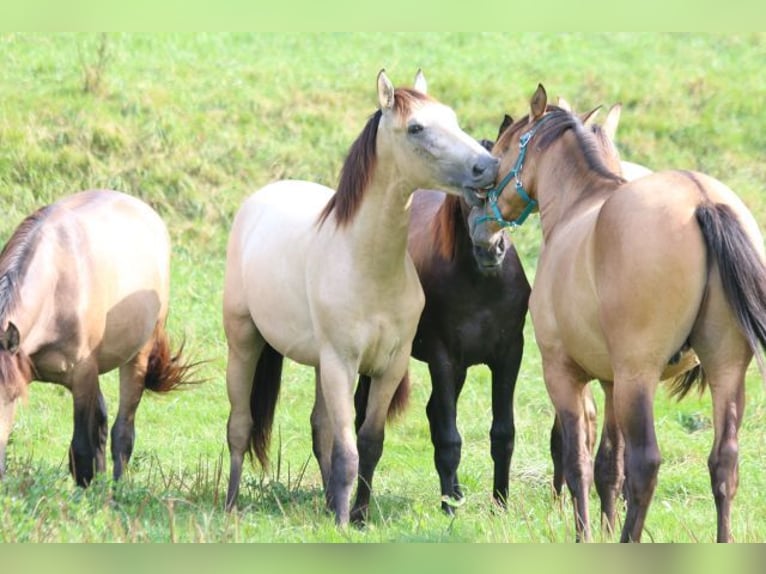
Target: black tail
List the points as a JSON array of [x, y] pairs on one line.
[[263, 400], [398, 404], [743, 273]]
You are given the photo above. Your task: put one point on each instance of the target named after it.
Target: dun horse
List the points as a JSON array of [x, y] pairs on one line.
[[625, 280], [84, 290], [476, 303], [325, 279]]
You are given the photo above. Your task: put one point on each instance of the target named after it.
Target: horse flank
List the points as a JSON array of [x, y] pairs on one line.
[[360, 162]]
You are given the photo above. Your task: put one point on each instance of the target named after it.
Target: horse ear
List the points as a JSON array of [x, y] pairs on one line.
[[420, 82], [507, 121], [612, 121], [538, 104], [10, 338], [588, 118], [385, 91], [564, 105]]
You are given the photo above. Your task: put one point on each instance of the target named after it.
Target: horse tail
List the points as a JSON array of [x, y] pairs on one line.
[[165, 370], [398, 403], [263, 400], [401, 397], [742, 271], [685, 382]]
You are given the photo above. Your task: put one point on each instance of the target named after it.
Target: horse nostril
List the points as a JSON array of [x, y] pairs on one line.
[[478, 170]]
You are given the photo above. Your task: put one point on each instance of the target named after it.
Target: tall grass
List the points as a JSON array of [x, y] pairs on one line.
[[194, 123]]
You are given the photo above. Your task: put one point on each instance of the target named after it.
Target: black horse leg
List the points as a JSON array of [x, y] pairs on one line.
[[446, 379], [87, 453], [503, 431]]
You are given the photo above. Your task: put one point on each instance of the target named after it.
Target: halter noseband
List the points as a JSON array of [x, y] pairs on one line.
[[494, 193]]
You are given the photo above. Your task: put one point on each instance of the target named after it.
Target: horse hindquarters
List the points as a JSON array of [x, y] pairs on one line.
[[731, 327]]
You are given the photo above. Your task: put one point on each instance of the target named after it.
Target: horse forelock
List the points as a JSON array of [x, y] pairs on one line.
[[15, 258], [360, 162], [405, 100]]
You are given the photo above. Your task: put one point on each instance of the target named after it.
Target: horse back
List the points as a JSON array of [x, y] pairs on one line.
[[107, 258]]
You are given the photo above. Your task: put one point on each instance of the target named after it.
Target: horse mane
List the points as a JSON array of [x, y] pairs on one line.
[[444, 226], [558, 122], [15, 258], [360, 162]]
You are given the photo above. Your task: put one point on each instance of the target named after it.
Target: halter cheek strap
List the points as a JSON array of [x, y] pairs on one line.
[[494, 193]]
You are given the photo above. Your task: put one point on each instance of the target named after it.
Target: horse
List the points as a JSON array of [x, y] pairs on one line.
[[604, 136], [84, 290], [324, 278], [629, 274], [475, 307]]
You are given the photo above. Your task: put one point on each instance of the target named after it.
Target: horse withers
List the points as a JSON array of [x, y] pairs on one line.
[[325, 279], [631, 273], [84, 290]]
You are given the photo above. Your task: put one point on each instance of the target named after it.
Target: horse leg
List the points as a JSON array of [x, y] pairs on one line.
[[503, 431], [724, 355], [723, 462], [557, 455], [87, 452], [565, 386], [131, 391], [371, 433], [245, 347], [321, 434], [609, 467], [445, 437], [633, 409], [556, 447], [336, 380]]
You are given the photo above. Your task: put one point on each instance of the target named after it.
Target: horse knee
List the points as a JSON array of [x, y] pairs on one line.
[[643, 465]]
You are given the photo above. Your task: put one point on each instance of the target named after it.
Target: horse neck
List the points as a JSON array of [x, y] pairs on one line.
[[379, 229], [568, 187]]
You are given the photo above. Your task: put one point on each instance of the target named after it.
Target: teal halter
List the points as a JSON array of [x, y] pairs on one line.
[[494, 193]]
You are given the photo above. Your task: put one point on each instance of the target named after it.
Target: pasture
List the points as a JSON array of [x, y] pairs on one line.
[[193, 123]]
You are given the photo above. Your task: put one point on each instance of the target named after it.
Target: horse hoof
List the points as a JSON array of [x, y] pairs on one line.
[[359, 517]]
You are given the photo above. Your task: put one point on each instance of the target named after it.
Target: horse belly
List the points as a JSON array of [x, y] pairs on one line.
[[564, 311]]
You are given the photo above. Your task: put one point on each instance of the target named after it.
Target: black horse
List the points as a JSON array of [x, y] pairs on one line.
[[476, 304]]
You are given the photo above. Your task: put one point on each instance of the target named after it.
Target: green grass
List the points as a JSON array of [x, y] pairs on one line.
[[194, 123]]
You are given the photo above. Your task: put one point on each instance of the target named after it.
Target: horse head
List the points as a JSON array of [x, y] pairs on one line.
[[14, 376], [427, 144], [537, 147], [490, 243]]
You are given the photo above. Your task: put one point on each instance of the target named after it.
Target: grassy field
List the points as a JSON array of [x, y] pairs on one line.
[[194, 123]]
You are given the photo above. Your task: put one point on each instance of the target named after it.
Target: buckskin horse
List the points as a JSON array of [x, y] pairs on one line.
[[84, 290], [324, 278], [629, 274]]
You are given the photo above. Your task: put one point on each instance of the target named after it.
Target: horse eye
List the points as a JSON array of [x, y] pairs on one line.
[[414, 129]]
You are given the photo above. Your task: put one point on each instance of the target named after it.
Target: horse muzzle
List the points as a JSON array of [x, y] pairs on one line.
[[489, 259]]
